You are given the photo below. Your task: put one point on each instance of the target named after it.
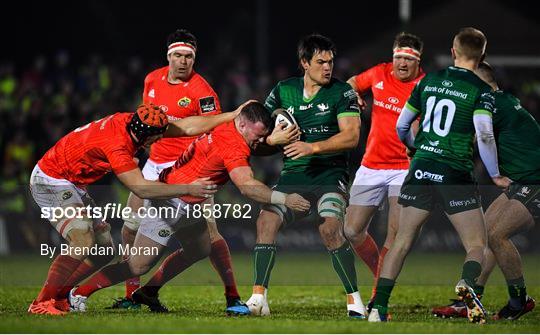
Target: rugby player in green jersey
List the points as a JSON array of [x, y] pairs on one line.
[[315, 166], [518, 140], [452, 104]]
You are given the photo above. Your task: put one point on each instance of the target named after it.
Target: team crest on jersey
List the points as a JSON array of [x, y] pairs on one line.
[[164, 232], [207, 104], [322, 107], [184, 102], [66, 195], [524, 191], [152, 93], [290, 109]]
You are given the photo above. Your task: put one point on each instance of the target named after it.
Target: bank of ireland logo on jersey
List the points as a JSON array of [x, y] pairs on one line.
[[393, 100], [184, 102], [447, 83]]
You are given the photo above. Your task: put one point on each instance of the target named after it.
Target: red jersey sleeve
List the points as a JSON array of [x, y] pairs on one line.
[[207, 100], [364, 80], [147, 81], [233, 158], [120, 159]]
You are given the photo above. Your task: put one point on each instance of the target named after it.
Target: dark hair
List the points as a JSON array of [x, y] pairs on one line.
[[256, 112], [404, 39], [470, 43], [487, 72], [311, 44], [182, 35]]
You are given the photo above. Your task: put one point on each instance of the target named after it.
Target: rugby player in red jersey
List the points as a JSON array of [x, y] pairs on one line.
[[82, 157], [181, 92], [385, 162], [221, 155]]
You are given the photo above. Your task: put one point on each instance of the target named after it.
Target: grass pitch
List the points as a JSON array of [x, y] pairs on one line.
[[305, 297]]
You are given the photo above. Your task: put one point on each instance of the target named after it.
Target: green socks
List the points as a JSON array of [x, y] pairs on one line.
[[384, 290], [264, 256], [471, 271], [343, 262], [517, 292]]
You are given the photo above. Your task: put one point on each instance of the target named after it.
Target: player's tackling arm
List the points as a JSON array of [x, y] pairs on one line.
[[405, 131], [250, 187], [196, 125], [148, 189], [346, 139]]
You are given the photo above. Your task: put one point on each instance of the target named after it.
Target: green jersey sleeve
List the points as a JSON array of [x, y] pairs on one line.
[[273, 100], [414, 103], [348, 103], [484, 104]]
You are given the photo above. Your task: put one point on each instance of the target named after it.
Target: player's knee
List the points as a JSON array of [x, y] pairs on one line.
[[496, 237], [81, 236], [268, 225], [353, 233], [102, 233], [331, 232], [138, 267]]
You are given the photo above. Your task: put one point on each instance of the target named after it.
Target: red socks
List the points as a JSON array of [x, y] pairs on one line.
[[108, 276], [60, 271], [174, 264], [220, 256], [369, 253], [82, 271]]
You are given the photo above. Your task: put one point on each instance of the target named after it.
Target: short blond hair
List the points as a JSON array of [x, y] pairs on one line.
[[470, 43]]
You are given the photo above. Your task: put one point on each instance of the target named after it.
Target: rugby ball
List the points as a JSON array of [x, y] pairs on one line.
[[282, 116]]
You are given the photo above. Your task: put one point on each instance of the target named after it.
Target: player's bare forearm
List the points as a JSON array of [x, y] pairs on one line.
[[196, 125], [250, 187], [346, 139], [149, 189], [342, 141]]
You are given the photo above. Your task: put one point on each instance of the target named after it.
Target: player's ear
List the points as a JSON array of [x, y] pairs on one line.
[[453, 51], [304, 63], [483, 57]]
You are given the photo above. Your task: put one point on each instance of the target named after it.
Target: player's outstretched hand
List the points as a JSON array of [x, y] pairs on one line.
[[202, 187], [282, 136], [298, 149], [296, 202], [502, 182], [237, 111]]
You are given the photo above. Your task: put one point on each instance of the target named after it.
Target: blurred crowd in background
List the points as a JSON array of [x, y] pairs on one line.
[[42, 101]]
